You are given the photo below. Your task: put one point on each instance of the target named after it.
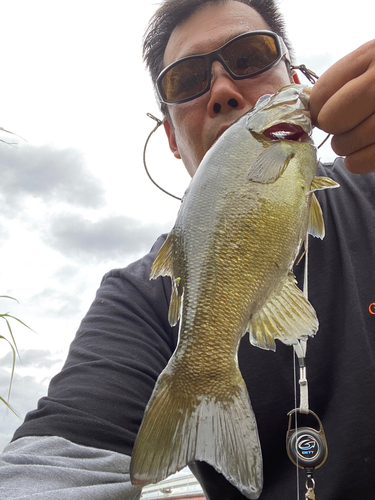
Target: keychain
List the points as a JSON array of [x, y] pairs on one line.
[[310, 493], [307, 449]]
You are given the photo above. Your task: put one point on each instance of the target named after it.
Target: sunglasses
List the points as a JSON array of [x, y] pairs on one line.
[[245, 56]]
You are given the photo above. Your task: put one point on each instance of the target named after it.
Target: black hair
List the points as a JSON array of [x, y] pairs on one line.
[[171, 13]]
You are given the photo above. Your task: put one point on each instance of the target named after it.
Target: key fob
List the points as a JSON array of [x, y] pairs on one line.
[[306, 446]]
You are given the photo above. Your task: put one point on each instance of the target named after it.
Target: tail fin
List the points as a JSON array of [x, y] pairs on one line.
[[177, 429]]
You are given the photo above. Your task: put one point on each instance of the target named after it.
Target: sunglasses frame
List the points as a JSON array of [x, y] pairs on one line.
[[216, 55]]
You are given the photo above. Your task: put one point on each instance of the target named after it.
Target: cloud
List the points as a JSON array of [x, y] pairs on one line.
[[4, 234], [66, 272], [317, 62], [116, 236], [46, 173], [32, 358], [56, 302]]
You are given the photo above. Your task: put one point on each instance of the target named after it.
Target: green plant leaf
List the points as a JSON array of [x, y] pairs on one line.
[[13, 346], [10, 407], [13, 363], [7, 297], [4, 316]]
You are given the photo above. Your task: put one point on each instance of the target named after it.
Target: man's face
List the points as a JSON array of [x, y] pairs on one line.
[[194, 126]]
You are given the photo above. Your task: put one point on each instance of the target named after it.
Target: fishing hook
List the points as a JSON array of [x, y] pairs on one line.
[[158, 123]]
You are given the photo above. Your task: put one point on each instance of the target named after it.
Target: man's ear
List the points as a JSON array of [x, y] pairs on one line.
[[171, 138]]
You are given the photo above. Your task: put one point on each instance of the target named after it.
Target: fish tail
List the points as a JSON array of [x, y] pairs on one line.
[[177, 430]]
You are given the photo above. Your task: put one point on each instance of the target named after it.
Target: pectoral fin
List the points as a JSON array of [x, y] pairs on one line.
[[271, 163], [287, 316]]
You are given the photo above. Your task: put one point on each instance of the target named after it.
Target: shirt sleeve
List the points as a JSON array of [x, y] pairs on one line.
[[41, 468]]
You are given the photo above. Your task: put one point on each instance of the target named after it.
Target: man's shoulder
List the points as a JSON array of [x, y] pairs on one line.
[[141, 267]]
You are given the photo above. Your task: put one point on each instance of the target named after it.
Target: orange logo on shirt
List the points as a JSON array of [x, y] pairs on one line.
[[371, 308]]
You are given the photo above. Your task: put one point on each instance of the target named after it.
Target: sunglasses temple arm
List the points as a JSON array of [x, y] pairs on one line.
[[308, 73], [158, 123]]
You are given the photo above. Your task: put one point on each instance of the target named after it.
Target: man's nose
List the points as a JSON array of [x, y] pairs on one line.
[[224, 92]]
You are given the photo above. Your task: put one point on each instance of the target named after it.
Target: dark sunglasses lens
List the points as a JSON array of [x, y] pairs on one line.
[[184, 80], [250, 54]]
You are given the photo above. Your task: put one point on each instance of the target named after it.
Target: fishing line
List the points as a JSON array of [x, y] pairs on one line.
[[158, 123], [295, 420], [306, 446], [312, 78], [298, 354], [299, 351], [325, 140], [308, 73], [296, 437]]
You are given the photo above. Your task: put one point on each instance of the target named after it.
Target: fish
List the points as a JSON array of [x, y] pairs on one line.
[[242, 222]]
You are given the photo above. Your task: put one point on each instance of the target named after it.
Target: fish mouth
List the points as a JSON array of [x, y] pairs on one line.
[[286, 132]]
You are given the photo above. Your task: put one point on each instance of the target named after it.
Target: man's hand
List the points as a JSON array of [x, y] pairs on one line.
[[342, 102]]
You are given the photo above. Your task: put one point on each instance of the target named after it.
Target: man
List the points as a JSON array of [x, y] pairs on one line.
[[79, 440]]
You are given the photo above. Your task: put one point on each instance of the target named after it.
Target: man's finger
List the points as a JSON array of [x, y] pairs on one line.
[[356, 139], [361, 162], [345, 94]]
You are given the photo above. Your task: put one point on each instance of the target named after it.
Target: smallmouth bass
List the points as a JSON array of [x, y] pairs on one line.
[[239, 229]]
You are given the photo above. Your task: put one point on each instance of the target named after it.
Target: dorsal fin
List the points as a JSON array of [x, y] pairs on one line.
[[319, 183], [163, 263]]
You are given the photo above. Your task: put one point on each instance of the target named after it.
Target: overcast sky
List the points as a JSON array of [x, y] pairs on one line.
[[75, 201]]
